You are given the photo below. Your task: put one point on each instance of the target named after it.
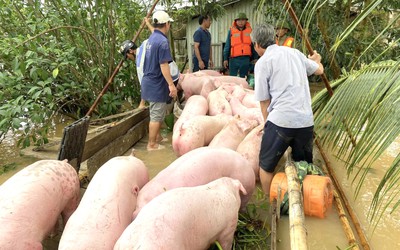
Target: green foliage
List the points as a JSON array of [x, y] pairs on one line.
[[7, 167], [363, 117], [252, 231], [56, 56], [342, 32]]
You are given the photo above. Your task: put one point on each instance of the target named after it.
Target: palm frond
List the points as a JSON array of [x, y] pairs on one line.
[[379, 36], [364, 14], [361, 121]]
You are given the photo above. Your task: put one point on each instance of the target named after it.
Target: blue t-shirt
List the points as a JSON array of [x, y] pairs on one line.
[[154, 87], [204, 38], [281, 77]]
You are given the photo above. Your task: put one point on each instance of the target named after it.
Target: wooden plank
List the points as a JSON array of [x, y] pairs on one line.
[[96, 143], [117, 147], [274, 221]]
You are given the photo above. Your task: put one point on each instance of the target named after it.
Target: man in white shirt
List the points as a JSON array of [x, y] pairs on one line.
[[282, 87]]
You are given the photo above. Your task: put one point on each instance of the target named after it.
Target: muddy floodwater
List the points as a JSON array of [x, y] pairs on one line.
[[325, 233]]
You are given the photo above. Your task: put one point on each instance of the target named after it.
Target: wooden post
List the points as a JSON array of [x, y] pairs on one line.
[[298, 232], [273, 224]]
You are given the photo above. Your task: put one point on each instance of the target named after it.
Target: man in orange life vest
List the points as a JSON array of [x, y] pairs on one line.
[[238, 48], [282, 28]]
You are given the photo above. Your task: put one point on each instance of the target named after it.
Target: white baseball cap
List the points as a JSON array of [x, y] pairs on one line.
[[160, 17]]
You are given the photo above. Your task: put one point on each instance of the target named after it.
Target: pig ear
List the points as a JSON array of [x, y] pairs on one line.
[[239, 185], [241, 188]]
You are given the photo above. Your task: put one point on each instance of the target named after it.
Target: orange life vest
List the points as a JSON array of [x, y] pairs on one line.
[[288, 42], [240, 40]]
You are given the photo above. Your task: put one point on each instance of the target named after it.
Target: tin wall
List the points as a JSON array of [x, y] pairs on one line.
[[219, 29]]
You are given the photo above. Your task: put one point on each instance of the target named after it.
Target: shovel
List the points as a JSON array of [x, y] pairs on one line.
[[74, 135]]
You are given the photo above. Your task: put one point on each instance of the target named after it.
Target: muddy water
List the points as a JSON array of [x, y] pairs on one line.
[[322, 233], [386, 233]]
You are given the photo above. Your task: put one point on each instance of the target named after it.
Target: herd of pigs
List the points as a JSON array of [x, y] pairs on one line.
[[190, 204]]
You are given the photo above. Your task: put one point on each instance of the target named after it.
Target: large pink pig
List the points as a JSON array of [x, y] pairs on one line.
[[249, 100], [233, 79], [218, 103], [187, 218], [208, 72], [32, 200], [196, 105], [247, 113], [198, 132], [198, 167], [238, 92], [249, 148], [107, 205], [193, 84], [233, 133]]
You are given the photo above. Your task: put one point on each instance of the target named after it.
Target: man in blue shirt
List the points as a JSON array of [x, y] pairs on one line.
[[157, 85], [282, 87], [202, 55]]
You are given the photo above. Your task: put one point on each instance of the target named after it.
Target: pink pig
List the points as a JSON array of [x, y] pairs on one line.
[[187, 218], [32, 200], [233, 79], [218, 103], [193, 84], [233, 133], [249, 148], [199, 167], [107, 205], [196, 105], [197, 132], [208, 72], [249, 100], [247, 113]]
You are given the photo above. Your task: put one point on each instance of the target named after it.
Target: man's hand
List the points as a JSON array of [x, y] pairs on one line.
[[172, 91], [201, 64], [226, 64], [315, 57], [211, 64]]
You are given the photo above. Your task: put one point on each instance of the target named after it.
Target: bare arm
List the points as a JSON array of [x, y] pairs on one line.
[[264, 106], [317, 58], [148, 24]]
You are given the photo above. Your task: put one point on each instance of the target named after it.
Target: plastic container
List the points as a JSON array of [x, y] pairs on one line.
[[317, 193]]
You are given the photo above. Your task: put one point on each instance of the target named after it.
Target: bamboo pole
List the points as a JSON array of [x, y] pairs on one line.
[[273, 224], [345, 223], [353, 217], [298, 232]]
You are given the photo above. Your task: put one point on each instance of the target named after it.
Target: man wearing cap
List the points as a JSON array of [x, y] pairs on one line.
[[238, 47], [282, 39], [157, 84], [202, 56]]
